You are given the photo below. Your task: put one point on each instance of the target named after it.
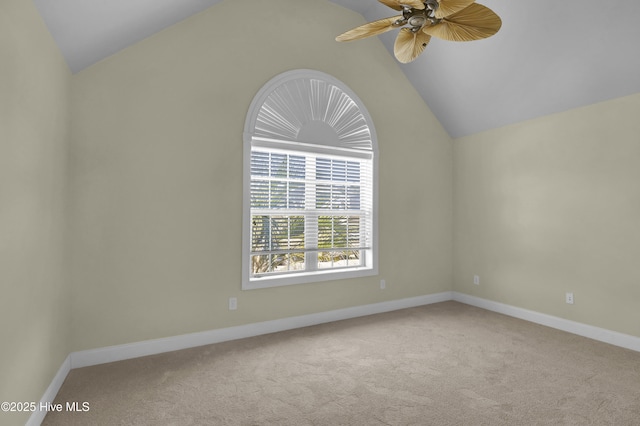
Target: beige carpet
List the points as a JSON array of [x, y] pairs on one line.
[[442, 364]]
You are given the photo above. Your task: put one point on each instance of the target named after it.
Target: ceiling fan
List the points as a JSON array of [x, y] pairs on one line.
[[453, 20]]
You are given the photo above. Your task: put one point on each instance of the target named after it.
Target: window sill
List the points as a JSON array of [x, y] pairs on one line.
[[308, 277]]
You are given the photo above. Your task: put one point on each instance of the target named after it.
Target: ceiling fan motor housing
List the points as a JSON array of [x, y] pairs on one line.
[[417, 21], [418, 18]]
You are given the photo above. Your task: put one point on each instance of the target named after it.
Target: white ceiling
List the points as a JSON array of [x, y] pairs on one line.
[[549, 56]]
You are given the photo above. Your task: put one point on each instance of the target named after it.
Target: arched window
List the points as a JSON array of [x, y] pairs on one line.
[[310, 186]]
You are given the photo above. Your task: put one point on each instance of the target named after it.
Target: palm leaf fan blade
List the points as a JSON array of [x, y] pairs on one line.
[[397, 4], [367, 30], [475, 22], [409, 45], [449, 7]]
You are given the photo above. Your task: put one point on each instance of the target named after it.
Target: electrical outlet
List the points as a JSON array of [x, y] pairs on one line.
[[383, 284], [233, 303], [476, 279], [569, 298]]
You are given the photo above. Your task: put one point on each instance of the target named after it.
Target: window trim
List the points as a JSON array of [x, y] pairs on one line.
[[250, 136]]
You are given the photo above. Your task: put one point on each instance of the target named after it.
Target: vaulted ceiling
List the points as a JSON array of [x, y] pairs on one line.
[[549, 55]]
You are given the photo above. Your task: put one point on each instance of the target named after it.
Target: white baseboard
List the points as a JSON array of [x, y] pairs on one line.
[[595, 333], [50, 394], [156, 346]]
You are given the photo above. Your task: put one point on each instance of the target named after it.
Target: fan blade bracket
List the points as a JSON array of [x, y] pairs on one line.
[[400, 22]]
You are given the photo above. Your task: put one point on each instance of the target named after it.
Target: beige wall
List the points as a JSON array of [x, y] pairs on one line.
[[34, 123], [538, 208], [157, 174], [550, 206]]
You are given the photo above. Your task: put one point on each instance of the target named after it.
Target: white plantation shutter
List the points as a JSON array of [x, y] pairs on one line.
[[309, 209], [306, 207]]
